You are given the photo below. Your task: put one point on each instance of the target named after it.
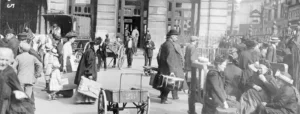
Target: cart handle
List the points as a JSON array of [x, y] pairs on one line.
[[136, 74]]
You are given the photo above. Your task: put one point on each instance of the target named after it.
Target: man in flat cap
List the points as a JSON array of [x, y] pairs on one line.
[[23, 38], [189, 50], [29, 68], [11, 41], [170, 63]]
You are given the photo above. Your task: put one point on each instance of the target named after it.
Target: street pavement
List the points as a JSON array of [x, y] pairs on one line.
[[110, 79]]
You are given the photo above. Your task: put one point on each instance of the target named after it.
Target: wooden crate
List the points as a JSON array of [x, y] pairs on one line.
[[124, 96], [89, 87]]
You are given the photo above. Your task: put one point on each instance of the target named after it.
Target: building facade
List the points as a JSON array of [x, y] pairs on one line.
[[159, 16], [95, 18]]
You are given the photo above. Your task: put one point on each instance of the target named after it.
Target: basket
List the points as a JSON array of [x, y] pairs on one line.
[[89, 87]]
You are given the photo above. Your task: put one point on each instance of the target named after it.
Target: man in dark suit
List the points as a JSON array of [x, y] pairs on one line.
[[130, 49], [170, 62], [271, 52]]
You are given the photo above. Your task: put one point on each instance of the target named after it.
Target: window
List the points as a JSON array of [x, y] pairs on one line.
[[170, 6], [178, 5]]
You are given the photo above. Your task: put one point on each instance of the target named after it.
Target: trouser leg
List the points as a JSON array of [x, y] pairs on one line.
[[175, 94], [115, 60], [99, 61], [28, 89], [104, 61], [128, 59], [146, 60], [131, 58], [164, 94], [150, 60]]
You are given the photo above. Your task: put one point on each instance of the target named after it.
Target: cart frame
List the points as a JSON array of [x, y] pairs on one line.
[[138, 97]]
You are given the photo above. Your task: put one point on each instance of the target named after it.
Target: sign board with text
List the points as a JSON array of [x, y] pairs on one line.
[[57, 6], [294, 13]]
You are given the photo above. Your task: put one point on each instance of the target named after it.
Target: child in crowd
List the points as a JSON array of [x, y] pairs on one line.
[[55, 84], [48, 60]]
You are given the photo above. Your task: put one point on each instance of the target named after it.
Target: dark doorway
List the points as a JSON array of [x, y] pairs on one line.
[[135, 15]]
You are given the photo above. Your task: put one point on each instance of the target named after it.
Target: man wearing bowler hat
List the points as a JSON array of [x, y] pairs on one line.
[[170, 62], [271, 52]]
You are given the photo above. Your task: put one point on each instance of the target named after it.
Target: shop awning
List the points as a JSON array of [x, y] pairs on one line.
[[55, 17]]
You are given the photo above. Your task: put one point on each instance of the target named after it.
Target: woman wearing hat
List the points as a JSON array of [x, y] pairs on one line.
[[258, 91], [215, 95], [247, 61], [285, 100], [68, 51], [87, 67], [271, 52]]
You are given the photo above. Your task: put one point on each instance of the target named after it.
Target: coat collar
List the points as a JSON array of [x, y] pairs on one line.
[[176, 46]]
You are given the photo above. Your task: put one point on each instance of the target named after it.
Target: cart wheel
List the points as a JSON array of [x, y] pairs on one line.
[[146, 109], [102, 103]]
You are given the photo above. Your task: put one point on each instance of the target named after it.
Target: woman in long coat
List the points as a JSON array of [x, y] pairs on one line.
[[215, 95], [87, 67], [247, 60]]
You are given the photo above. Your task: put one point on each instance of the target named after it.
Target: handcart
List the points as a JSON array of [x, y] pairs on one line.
[[118, 51], [117, 100]]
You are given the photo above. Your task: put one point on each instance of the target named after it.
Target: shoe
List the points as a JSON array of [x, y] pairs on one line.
[[175, 98], [54, 97], [166, 102], [49, 97], [114, 66], [105, 69]]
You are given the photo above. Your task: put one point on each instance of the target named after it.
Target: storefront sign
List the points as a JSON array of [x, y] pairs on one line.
[[57, 6], [82, 1], [294, 13]]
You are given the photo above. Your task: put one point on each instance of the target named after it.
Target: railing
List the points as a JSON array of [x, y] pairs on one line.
[[211, 53]]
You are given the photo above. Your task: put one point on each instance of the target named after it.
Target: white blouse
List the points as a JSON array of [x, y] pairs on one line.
[[67, 52]]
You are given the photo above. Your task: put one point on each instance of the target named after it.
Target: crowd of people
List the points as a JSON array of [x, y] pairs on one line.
[[24, 58], [245, 73], [243, 78]]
